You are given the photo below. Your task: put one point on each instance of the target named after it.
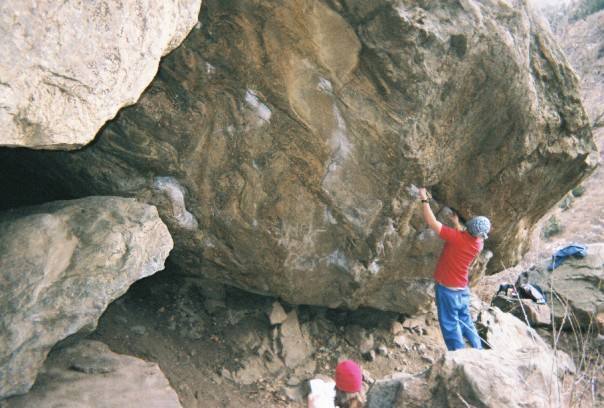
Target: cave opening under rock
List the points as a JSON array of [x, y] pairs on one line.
[[25, 181]]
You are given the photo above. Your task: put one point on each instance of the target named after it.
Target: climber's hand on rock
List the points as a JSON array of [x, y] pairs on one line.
[[423, 194]]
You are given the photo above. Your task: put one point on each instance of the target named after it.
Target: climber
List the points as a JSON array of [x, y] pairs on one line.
[[348, 391], [451, 274]]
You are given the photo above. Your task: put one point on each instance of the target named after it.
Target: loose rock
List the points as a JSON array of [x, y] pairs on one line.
[[277, 314], [294, 346]]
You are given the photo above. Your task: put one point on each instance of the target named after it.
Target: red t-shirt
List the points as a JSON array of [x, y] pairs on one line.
[[459, 251]]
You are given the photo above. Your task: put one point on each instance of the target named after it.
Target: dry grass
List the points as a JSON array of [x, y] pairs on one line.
[[581, 389]]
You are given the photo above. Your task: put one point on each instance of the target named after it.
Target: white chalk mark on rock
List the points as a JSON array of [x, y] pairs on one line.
[[338, 259], [374, 267], [325, 85], [176, 194], [261, 109], [329, 217], [339, 142], [210, 69]]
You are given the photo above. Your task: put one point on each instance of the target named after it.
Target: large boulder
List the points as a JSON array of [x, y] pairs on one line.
[[67, 67], [531, 377], [574, 289], [283, 140], [503, 331], [520, 370], [62, 264], [90, 375]]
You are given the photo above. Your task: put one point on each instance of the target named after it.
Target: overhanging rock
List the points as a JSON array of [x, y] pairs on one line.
[[281, 142]]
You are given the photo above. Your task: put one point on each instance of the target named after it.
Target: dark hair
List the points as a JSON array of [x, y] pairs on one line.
[[461, 218], [349, 400]]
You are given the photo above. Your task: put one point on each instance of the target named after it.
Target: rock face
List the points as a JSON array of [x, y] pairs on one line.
[[88, 374], [61, 265], [66, 68], [282, 142]]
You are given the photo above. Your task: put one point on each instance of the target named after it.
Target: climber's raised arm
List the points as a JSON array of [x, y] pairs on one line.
[[429, 217]]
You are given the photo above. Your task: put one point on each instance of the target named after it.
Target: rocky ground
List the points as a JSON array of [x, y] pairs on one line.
[[224, 352], [233, 350]]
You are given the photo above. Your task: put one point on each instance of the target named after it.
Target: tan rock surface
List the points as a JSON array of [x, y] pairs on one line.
[[277, 314], [295, 347], [90, 375], [67, 67], [282, 141], [61, 265]]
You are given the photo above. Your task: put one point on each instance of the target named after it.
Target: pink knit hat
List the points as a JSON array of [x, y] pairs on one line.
[[349, 376]]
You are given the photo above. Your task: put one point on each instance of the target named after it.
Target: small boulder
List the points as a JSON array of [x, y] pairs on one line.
[[551, 227], [358, 337], [369, 355], [295, 348], [396, 327], [417, 324], [402, 341], [578, 191], [277, 314]]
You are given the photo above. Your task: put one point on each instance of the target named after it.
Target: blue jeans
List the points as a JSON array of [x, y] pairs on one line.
[[454, 317]]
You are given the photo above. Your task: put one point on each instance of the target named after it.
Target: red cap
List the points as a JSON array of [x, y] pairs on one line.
[[349, 377]]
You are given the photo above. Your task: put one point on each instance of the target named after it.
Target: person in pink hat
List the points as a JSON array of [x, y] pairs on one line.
[[348, 388], [349, 385]]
